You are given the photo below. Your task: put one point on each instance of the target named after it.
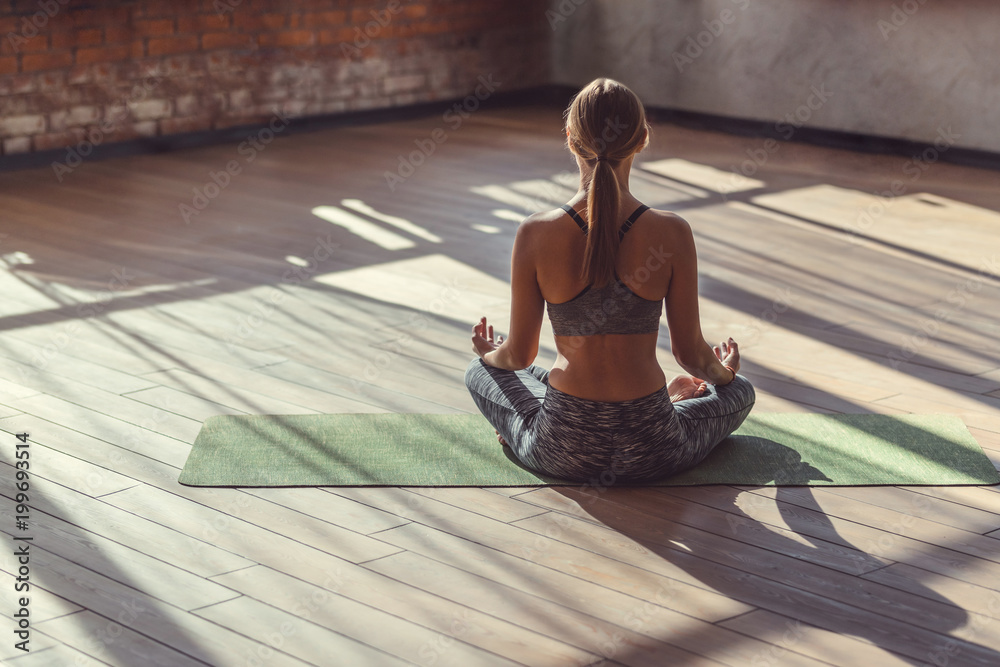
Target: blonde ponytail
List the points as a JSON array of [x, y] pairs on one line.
[[603, 200], [605, 124]]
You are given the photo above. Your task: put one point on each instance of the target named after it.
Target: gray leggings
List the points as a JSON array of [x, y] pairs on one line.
[[577, 439]]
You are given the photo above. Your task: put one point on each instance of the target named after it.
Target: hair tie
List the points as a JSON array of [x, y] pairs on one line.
[[601, 158]]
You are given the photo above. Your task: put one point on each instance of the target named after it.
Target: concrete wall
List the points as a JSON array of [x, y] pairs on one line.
[[906, 69]]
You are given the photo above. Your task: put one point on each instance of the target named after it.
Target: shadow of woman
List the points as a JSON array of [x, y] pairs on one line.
[[793, 573]]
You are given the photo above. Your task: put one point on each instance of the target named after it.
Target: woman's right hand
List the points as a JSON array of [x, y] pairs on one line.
[[729, 354]]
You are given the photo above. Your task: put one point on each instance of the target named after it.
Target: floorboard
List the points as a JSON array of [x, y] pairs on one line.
[[122, 329]]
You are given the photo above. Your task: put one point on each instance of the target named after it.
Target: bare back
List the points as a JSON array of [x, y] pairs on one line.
[[607, 367]]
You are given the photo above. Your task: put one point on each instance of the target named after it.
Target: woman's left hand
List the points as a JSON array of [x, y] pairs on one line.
[[482, 338]]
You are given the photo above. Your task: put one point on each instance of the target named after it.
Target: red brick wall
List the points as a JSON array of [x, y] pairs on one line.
[[109, 70]]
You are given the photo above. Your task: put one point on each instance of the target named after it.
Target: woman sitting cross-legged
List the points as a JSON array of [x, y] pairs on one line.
[[605, 264]]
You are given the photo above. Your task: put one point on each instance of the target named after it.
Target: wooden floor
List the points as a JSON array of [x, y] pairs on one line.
[[308, 285]]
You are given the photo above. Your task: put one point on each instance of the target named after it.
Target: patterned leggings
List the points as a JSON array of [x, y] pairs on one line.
[[581, 440]]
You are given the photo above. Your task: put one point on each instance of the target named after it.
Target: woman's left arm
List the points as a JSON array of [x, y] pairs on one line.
[[527, 309]]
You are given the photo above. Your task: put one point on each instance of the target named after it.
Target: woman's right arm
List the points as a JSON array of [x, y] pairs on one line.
[[687, 342]]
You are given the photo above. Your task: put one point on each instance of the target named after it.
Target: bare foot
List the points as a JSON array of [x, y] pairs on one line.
[[500, 439], [684, 387]]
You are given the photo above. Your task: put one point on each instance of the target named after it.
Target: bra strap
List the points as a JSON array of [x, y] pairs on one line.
[[631, 220], [576, 216], [625, 226]]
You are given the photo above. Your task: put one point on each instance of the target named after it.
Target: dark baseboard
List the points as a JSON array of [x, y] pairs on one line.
[[850, 141], [238, 133], [555, 95]]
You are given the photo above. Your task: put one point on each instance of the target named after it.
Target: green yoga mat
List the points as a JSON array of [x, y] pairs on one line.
[[462, 450]]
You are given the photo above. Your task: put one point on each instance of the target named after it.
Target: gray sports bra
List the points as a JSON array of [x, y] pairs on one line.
[[613, 309]]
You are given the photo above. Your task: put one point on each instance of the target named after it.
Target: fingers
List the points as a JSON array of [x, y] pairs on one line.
[[732, 358], [484, 331], [725, 348], [479, 329]]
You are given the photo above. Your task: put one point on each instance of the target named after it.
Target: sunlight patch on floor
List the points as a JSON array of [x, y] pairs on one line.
[[395, 221], [923, 222], [507, 214], [702, 176], [486, 229], [846, 375], [546, 192], [435, 284], [509, 197], [358, 226], [41, 291], [15, 259]]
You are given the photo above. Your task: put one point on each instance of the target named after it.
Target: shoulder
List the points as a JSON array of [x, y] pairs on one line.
[[673, 236], [671, 226], [668, 220], [528, 237], [540, 219], [538, 224]]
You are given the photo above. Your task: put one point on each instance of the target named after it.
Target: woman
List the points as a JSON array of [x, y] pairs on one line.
[[605, 411]]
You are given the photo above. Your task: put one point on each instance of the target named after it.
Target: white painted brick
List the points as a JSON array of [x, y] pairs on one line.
[[374, 68], [404, 99], [187, 105], [146, 128], [57, 120], [79, 75], [341, 92], [16, 126], [150, 109], [16, 145], [330, 106], [83, 115], [403, 83], [220, 101], [295, 108], [240, 99]]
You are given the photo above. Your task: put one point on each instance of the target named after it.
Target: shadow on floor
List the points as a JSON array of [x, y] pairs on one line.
[[741, 558]]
